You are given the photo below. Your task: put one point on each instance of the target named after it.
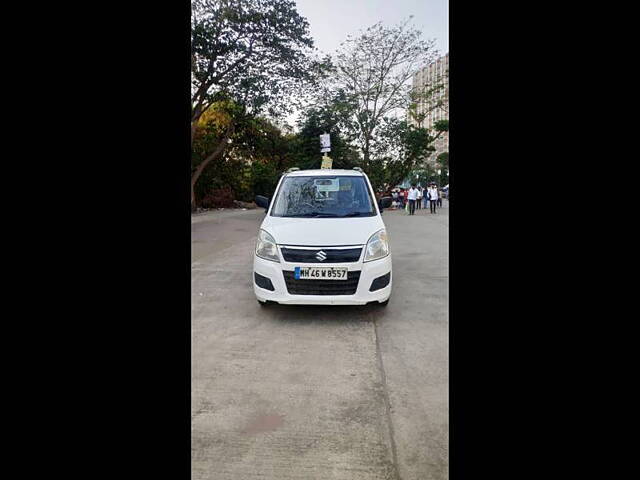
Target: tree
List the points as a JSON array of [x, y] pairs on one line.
[[424, 174], [267, 152], [374, 70], [442, 161], [400, 151], [399, 148], [326, 117], [216, 123], [252, 53], [259, 151]]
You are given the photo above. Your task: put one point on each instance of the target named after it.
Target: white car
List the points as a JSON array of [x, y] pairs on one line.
[[323, 241]]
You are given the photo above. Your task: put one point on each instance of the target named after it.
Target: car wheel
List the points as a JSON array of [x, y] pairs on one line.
[[385, 303]]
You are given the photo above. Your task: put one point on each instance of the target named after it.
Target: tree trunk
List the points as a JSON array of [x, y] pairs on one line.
[[365, 154], [215, 154], [193, 131]]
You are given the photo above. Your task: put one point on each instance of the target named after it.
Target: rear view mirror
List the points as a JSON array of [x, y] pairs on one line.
[[262, 202]]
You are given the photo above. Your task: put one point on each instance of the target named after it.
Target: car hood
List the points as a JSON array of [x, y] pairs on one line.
[[322, 232]]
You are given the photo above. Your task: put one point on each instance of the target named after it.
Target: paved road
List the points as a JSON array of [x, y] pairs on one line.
[[288, 392]]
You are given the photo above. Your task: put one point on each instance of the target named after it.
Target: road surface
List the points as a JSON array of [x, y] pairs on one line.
[[290, 392]]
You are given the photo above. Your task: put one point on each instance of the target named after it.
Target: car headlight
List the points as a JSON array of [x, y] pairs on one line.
[[377, 246], [266, 247]]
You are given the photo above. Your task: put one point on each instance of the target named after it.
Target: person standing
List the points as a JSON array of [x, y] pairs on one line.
[[419, 194], [433, 197], [411, 196], [439, 198]]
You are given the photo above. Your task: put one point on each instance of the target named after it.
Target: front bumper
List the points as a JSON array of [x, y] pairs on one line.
[[369, 271]]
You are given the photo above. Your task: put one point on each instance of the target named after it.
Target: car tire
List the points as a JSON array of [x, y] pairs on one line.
[[385, 303]]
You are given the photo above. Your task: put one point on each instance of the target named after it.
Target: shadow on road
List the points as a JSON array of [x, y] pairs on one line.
[[310, 314]]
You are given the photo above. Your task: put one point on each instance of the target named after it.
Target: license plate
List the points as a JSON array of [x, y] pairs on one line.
[[320, 273]]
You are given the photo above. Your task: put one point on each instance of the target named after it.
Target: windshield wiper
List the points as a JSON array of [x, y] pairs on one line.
[[330, 215], [356, 214], [314, 214]]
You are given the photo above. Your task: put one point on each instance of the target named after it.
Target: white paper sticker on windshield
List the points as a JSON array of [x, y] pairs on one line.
[[327, 184]]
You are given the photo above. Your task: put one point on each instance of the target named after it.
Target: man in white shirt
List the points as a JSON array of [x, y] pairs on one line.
[[433, 197], [413, 192], [419, 198]]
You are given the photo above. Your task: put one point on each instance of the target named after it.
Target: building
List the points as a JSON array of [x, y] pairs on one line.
[[433, 81]]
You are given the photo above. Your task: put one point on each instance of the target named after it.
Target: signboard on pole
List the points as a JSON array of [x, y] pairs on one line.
[[325, 143], [325, 146]]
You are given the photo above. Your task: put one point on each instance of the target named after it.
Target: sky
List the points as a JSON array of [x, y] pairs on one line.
[[332, 20]]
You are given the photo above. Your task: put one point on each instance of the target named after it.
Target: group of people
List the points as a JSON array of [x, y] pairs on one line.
[[415, 197]]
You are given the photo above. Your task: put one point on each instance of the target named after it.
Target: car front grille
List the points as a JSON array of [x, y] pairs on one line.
[[328, 255], [322, 287]]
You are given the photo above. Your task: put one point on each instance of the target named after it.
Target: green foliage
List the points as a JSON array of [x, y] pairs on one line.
[[399, 149], [268, 152], [254, 51], [264, 178], [252, 163], [315, 122], [443, 160], [442, 163], [424, 174], [441, 126], [260, 151], [251, 63], [249, 55]]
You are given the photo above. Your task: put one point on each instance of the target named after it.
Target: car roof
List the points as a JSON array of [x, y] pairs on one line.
[[325, 172]]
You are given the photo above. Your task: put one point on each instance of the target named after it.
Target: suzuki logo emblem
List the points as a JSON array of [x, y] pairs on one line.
[[321, 256]]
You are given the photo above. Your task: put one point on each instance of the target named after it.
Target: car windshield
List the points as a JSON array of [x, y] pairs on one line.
[[323, 197]]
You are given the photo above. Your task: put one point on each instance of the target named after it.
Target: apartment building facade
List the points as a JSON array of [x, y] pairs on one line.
[[435, 105]]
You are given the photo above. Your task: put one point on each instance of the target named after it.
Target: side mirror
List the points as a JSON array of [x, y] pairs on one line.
[[262, 202], [384, 202]]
